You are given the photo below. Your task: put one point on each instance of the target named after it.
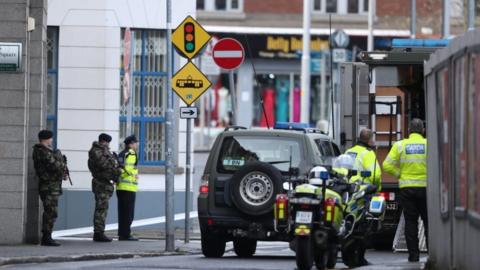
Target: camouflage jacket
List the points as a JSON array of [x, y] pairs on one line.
[[103, 164], [49, 167]]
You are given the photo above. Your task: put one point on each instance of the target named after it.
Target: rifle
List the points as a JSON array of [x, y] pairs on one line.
[[67, 171]]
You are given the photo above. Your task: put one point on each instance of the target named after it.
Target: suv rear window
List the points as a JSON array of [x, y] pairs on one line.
[[238, 150]]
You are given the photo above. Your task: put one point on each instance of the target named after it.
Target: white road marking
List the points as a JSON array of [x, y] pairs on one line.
[[114, 226]]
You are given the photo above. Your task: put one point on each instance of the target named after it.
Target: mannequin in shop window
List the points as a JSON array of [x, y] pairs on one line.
[[223, 107], [269, 105], [282, 100], [296, 104]]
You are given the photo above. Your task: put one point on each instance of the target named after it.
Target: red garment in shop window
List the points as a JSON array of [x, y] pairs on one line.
[[269, 105]]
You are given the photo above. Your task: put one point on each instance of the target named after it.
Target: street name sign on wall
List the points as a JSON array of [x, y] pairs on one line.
[[228, 53], [10, 56], [188, 112], [189, 83], [189, 38]]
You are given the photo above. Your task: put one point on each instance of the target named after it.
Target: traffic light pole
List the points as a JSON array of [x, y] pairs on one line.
[[169, 142]]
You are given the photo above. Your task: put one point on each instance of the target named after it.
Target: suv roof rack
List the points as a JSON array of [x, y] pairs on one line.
[[234, 128]]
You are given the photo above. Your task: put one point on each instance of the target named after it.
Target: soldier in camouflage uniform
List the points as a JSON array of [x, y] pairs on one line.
[[105, 170], [50, 167]]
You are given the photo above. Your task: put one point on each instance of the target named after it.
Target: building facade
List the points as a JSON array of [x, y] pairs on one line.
[[271, 32], [85, 82]]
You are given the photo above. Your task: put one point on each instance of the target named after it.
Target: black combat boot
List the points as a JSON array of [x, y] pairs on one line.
[[48, 241], [101, 237]]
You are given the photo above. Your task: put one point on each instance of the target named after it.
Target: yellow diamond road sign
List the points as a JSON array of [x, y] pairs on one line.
[[189, 83], [190, 37]]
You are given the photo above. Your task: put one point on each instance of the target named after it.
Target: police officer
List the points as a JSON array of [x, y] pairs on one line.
[[105, 170], [407, 160], [50, 167], [127, 188], [367, 159]]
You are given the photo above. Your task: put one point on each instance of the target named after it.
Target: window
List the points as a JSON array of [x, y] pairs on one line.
[[200, 4], [149, 81], [476, 183], [442, 81], [239, 150], [52, 79], [341, 6], [461, 130], [324, 148], [220, 5]]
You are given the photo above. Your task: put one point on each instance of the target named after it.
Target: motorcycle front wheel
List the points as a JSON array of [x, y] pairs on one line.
[[321, 258], [304, 253]]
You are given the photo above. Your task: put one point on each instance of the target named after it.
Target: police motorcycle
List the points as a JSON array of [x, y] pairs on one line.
[[363, 212], [314, 223]]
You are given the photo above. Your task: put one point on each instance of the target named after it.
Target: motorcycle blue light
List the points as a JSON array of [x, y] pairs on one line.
[[324, 175], [365, 174]]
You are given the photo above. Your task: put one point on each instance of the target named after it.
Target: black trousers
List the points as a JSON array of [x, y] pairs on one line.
[[126, 212], [414, 203]]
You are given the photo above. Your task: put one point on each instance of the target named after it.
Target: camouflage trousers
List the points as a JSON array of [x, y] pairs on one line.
[[103, 193], [50, 206]]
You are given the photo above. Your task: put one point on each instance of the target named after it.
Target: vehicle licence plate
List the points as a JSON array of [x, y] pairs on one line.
[[392, 206], [303, 217]]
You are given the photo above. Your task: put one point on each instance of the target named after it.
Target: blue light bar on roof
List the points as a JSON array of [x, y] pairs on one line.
[[425, 43], [293, 126]]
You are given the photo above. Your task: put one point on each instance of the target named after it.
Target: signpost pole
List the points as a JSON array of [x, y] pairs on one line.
[[233, 94], [131, 99], [169, 142], [187, 184]]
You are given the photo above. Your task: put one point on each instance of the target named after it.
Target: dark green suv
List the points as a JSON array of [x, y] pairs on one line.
[[245, 171]]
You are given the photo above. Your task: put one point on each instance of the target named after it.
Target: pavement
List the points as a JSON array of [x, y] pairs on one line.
[[83, 249]]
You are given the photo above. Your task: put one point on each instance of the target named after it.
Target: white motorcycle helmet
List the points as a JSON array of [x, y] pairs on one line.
[[314, 175], [344, 163]]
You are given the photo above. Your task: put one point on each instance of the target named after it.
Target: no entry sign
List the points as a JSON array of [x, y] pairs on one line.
[[228, 53]]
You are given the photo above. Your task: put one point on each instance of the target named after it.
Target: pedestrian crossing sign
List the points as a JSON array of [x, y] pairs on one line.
[[189, 83]]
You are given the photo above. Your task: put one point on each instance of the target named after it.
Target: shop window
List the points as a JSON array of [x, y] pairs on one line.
[[460, 137], [275, 90], [52, 79], [443, 130], [149, 81], [470, 133], [220, 5], [281, 96]]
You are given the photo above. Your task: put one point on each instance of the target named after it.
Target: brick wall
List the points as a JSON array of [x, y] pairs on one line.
[[273, 6]]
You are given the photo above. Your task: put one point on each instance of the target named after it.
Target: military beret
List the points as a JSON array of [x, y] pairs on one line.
[[104, 138], [45, 134], [130, 139]]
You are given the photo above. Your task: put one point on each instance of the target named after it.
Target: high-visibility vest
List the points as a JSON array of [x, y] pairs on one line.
[[367, 160], [407, 160], [128, 180]]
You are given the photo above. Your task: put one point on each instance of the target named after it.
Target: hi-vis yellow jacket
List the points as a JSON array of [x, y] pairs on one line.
[[368, 161], [407, 160], [129, 178]]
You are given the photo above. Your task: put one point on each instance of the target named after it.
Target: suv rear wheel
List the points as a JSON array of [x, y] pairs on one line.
[[244, 248], [213, 246], [254, 188]]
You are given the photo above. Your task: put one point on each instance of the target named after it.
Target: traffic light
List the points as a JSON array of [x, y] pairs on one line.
[[189, 37]]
